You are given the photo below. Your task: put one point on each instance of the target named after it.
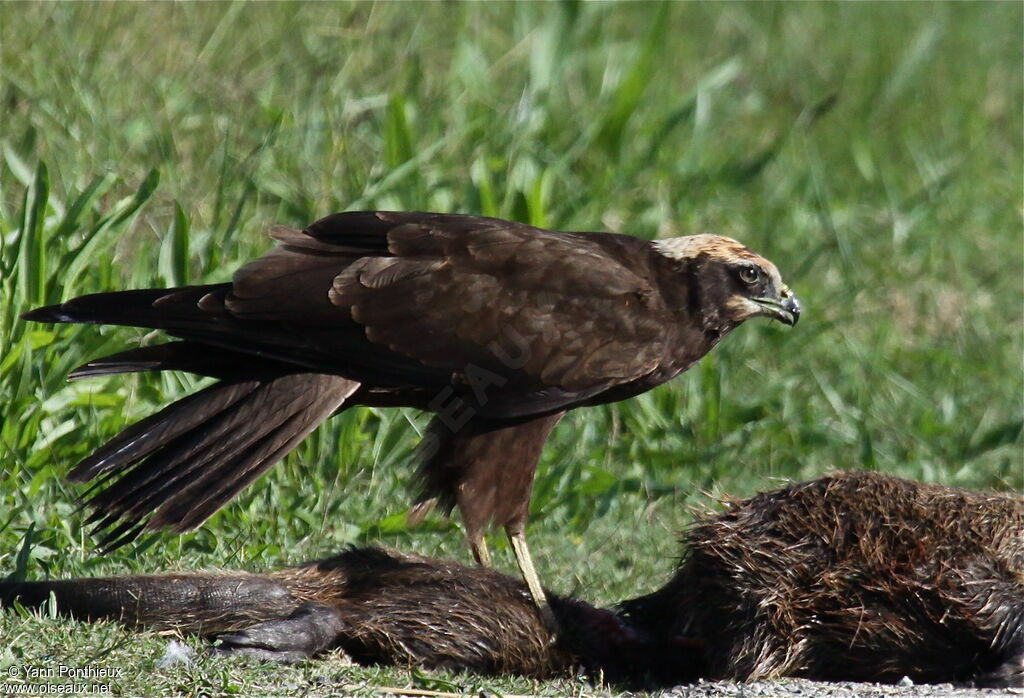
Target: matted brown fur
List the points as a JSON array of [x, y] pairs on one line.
[[857, 576], [406, 609]]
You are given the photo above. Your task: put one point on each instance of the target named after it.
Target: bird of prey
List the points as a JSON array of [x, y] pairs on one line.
[[497, 327]]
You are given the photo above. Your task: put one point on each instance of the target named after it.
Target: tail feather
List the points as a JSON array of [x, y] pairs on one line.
[[122, 534], [155, 431], [177, 467], [222, 435], [184, 463], [138, 490], [206, 496], [220, 429]]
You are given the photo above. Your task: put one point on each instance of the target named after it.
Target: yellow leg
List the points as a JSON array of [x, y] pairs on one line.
[[480, 552], [522, 552]]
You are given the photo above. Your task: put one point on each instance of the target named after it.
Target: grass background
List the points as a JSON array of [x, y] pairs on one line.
[[873, 151]]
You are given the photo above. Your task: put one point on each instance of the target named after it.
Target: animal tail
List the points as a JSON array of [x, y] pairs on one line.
[[196, 603], [177, 467], [185, 462]]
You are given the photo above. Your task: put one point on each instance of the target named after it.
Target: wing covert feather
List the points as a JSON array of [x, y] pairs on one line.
[[415, 299], [566, 311]]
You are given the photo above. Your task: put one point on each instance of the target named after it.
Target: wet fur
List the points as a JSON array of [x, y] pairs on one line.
[[857, 576]]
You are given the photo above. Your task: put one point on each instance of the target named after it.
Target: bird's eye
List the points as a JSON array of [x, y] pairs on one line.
[[750, 275]]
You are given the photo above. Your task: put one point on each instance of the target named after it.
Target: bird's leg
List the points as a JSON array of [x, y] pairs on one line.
[[478, 544], [518, 540]]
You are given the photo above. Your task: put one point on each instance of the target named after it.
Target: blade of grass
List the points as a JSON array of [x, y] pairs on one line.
[[174, 251], [626, 97], [101, 236], [31, 289]]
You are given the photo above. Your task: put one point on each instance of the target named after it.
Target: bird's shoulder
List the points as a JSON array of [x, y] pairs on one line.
[[518, 255], [538, 307]]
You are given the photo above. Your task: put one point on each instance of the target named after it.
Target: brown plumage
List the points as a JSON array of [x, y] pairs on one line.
[[857, 576], [497, 327]]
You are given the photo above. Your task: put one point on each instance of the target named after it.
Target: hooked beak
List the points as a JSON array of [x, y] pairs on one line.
[[786, 309]]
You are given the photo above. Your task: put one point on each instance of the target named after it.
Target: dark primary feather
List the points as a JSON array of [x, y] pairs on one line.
[[171, 356]]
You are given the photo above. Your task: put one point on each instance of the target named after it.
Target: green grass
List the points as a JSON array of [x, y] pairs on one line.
[[873, 151]]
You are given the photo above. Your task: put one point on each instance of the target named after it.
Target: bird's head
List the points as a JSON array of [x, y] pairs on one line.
[[729, 282]]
